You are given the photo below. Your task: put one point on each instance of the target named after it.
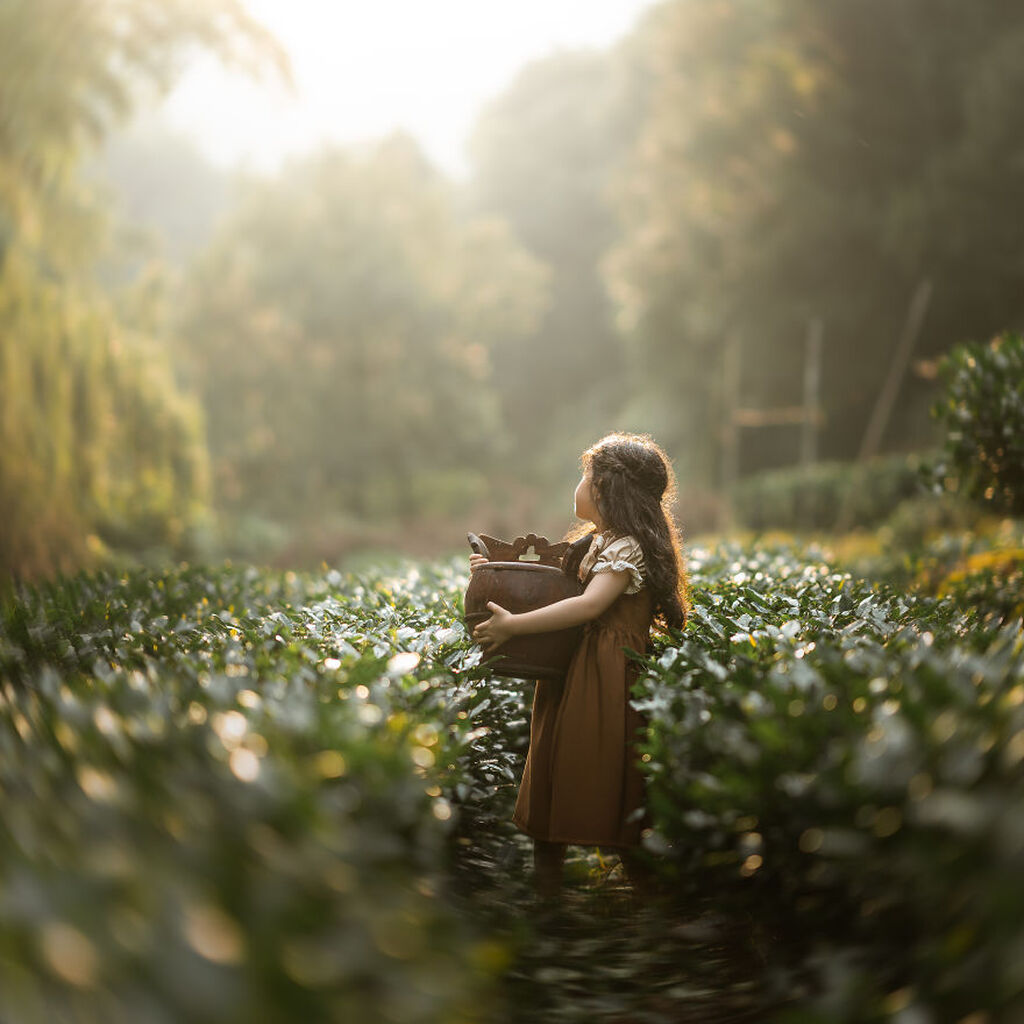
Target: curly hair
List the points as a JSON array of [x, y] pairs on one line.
[[634, 489]]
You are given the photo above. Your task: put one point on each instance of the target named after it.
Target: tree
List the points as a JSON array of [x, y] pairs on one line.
[[544, 153], [96, 441], [339, 330], [165, 198], [803, 159]]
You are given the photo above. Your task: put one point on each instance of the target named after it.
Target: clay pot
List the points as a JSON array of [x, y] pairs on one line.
[[520, 586]]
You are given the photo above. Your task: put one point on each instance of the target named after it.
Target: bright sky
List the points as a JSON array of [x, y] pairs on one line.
[[363, 69]]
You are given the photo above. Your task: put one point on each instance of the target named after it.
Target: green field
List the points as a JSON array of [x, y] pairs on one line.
[[231, 794]]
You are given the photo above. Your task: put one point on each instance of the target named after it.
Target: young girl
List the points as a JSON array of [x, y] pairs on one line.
[[581, 783]]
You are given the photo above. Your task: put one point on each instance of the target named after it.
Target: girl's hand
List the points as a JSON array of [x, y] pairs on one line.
[[496, 630], [475, 561]]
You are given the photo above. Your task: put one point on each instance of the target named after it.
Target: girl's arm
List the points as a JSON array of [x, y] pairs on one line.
[[601, 591]]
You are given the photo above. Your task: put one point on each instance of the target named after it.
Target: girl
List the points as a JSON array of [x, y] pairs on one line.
[[581, 783]]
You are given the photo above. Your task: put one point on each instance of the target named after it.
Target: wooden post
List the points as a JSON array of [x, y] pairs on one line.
[[809, 422], [812, 389], [730, 429], [887, 396]]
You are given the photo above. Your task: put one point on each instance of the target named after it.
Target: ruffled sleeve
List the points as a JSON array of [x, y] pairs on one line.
[[624, 553]]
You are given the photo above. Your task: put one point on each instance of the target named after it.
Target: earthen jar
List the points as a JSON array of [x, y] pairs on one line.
[[520, 584]]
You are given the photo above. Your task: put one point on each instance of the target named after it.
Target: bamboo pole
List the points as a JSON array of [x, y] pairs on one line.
[[887, 396], [730, 428], [812, 394]]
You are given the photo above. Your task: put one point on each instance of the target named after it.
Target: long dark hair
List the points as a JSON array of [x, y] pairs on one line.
[[634, 489]]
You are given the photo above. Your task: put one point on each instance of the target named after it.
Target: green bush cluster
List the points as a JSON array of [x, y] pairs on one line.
[[827, 495], [846, 762], [222, 801], [917, 522], [982, 409], [231, 794]]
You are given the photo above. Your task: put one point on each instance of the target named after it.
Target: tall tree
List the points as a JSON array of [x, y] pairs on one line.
[[96, 441], [544, 153], [165, 198], [804, 159], [340, 330]]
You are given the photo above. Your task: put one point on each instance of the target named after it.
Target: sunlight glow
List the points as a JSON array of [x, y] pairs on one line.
[[364, 70]]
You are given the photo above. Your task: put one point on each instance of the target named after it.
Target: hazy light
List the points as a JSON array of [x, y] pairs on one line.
[[365, 70]]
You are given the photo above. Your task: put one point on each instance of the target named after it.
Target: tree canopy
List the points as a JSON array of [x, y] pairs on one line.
[[340, 332], [96, 439], [807, 159]]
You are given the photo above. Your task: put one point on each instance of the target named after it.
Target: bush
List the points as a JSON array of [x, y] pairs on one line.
[[231, 794], [219, 806], [844, 762], [983, 410], [827, 495], [915, 521]]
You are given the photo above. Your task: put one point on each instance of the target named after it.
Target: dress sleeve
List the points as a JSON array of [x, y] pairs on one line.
[[624, 553]]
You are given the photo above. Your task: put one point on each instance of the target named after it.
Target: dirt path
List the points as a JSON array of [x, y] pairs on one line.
[[602, 957]]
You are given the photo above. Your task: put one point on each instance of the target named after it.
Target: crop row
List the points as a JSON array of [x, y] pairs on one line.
[[233, 794]]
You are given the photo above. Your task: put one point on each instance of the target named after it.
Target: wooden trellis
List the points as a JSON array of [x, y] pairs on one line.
[[809, 415]]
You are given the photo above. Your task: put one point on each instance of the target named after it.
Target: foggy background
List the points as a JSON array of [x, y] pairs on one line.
[[293, 284]]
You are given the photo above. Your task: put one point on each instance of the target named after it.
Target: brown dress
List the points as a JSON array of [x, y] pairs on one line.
[[581, 783]]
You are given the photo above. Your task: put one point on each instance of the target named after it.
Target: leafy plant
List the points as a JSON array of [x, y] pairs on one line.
[[983, 411], [231, 793], [843, 757]]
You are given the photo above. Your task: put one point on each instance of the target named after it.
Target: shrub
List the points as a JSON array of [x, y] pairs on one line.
[[983, 410], [847, 760], [827, 495], [231, 794], [915, 521], [228, 797]]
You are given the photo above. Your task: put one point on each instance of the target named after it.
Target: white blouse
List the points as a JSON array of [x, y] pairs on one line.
[[624, 553]]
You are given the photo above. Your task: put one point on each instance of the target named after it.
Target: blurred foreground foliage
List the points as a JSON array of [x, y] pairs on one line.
[[854, 755], [233, 794], [222, 800]]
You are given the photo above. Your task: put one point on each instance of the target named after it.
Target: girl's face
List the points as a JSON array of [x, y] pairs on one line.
[[585, 506]]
